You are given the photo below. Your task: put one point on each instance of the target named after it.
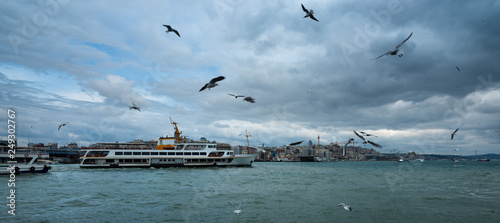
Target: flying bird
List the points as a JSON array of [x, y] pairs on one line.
[[396, 50], [249, 99], [453, 134], [346, 207], [61, 125], [454, 160], [212, 83], [134, 106], [237, 209], [367, 141], [170, 29], [309, 13], [457, 68], [236, 96]]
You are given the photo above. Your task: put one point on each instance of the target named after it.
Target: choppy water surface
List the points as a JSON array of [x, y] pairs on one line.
[[432, 191]]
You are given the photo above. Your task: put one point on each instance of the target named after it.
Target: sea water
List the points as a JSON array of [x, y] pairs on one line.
[[430, 191]]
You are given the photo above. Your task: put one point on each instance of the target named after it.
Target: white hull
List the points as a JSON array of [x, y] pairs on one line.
[[111, 160]]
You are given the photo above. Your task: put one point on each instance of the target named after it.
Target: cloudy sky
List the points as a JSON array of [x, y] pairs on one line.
[[85, 62]]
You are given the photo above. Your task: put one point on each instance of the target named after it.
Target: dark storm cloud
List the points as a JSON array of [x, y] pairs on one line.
[[266, 50]]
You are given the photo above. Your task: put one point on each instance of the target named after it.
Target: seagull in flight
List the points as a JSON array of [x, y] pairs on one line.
[[170, 29], [396, 50], [249, 99], [454, 160], [309, 13], [61, 125], [346, 207], [134, 106], [236, 96], [237, 209], [453, 134], [457, 68], [212, 83], [367, 141]]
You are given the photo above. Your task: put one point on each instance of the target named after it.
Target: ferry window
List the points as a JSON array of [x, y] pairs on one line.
[[154, 153], [171, 153], [203, 153], [110, 161], [127, 153], [118, 153], [196, 153], [187, 153], [145, 153], [163, 153], [137, 153], [178, 153]]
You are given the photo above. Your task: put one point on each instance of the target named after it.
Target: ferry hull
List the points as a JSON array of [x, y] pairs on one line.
[[233, 161]]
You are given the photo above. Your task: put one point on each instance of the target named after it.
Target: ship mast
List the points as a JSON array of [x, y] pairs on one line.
[[248, 142], [177, 133], [318, 147]]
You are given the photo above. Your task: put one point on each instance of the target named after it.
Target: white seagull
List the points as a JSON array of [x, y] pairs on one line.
[[453, 134], [170, 29], [346, 207], [309, 13], [367, 141], [454, 160], [396, 50], [212, 83], [237, 210], [134, 106], [61, 125]]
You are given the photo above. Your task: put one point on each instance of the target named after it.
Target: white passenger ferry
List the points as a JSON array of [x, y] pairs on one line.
[[26, 160], [169, 152]]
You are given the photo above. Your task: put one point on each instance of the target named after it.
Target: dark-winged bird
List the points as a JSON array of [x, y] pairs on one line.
[[367, 141], [134, 106], [309, 13], [61, 125], [457, 68], [453, 134], [170, 29], [236, 96], [212, 83], [396, 51], [249, 99]]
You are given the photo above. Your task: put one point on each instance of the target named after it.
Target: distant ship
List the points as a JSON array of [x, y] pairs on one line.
[[484, 159], [169, 152], [26, 160]]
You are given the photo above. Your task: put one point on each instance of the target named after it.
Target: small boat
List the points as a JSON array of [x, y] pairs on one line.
[[484, 159], [24, 160]]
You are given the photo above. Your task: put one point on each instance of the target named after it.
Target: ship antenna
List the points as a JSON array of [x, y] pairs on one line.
[[248, 142], [177, 132]]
